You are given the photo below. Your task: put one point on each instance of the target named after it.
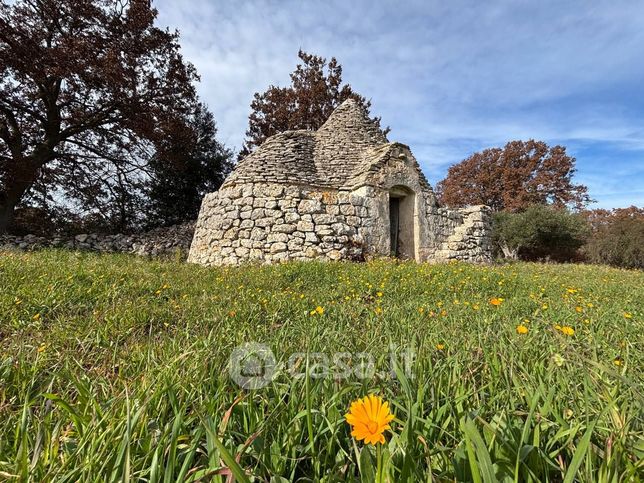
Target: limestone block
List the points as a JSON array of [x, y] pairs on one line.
[[257, 213], [312, 252], [310, 207], [342, 229], [273, 213], [333, 209], [291, 217], [265, 222], [292, 192], [348, 210], [311, 238], [323, 219], [258, 234], [305, 225], [353, 221], [233, 214], [281, 257], [277, 237], [278, 247], [242, 251], [285, 228], [288, 204], [295, 244], [275, 190]]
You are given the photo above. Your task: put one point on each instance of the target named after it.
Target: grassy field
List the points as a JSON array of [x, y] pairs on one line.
[[115, 368]]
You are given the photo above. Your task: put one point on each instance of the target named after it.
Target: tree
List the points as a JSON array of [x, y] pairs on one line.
[[616, 237], [514, 177], [191, 164], [306, 104], [87, 88], [540, 232]]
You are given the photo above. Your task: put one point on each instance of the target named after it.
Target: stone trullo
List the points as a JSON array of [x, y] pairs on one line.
[[342, 192]]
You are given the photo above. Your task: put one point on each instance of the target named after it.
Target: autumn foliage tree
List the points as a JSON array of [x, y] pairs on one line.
[[512, 178], [87, 89], [316, 90]]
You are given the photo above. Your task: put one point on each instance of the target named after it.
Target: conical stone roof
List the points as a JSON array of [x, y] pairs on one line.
[[328, 157]]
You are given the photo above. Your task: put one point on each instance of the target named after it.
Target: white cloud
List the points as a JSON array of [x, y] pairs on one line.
[[449, 78]]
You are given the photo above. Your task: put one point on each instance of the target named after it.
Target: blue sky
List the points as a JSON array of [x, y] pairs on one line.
[[449, 78]]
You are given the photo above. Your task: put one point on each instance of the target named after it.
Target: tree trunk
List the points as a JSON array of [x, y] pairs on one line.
[[6, 217], [15, 191]]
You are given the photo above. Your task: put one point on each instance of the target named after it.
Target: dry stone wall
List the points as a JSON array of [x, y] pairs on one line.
[[463, 234], [274, 223], [160, 242]]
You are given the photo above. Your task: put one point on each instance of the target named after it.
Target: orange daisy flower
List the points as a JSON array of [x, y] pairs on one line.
[[369, 418]]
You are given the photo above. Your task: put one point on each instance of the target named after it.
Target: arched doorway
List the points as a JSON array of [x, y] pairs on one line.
[[402, 226]]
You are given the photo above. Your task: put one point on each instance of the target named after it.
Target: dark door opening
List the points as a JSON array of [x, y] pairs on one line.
[[402, 223], [394, 225]]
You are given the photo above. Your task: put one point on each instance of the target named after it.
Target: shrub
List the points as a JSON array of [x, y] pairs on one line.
[[541, 232], [617, 237]]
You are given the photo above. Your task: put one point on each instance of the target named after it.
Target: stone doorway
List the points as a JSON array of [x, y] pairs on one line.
[[402, 226]]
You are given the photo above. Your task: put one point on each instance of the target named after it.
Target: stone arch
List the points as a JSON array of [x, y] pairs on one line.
[[403, 222]]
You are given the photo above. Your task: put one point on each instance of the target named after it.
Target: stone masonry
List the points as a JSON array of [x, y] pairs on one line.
[[339, 193]]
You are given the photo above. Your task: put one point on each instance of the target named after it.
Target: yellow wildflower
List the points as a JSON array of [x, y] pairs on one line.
[[317, 310], [496, 301], [522, 329], [567, 330]]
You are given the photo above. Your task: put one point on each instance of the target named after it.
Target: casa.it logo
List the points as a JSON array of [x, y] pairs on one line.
[[252, 365]]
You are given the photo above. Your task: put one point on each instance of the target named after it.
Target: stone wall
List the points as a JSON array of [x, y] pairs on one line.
[[273, 223], [465, 234], [267, 223], [158, 242]]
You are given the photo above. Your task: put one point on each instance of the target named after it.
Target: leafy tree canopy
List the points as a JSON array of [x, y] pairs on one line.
[[512, 178], [88, 90]]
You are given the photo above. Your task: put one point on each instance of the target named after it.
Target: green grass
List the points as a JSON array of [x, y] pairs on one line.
[[114, 368]]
